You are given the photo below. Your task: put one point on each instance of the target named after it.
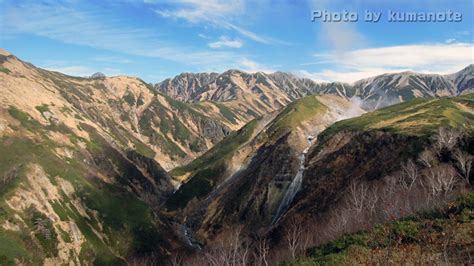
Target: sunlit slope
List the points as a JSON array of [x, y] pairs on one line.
[[416, 117], [128, 110]]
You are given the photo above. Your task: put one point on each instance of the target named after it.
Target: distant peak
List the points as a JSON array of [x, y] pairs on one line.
[[98, 75]]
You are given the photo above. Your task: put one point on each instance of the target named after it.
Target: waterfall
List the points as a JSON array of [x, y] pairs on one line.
[[188, 237], [295, 184]]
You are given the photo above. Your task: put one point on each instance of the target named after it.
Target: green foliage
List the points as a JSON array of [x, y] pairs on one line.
[[339, 245], [294, 114], [180, 132], [11, 248], [129, 98], [405, 231], [143, 149], [5, 70], [78, 117], [221, 151], [25, 120], [198, 186], [42, 108], [140, 101], [43, 231], [410, 230], [208, 168], [146, 123], [227, 113], [196, 146]]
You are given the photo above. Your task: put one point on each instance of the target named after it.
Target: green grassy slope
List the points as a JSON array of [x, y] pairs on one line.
[[415, 117], [206, 170], [295, 114]]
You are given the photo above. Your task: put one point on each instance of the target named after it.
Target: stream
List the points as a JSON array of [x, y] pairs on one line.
[[190, 241]]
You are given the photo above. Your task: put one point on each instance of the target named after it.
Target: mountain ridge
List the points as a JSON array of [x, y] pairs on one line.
[[375, 92]]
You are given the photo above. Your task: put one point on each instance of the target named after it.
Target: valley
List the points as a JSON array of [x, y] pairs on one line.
[[234, 168]]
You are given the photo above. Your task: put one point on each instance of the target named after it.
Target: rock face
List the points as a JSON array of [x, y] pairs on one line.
[[250, 95], [388, 89], [262, 92], [464, 79], [185, 86], [98, 75]]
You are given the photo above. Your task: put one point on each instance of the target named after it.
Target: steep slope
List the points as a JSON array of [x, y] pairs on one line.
[[132, 113], [382, 166], [186, 86], [69, 198], [253, 169], [464, 79], [388, 89], [79, 172]]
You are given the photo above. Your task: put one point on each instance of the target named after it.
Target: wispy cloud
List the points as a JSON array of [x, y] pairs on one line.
[[197, 10], [97, 29], [226, 42], [218, 13], [362, 63]]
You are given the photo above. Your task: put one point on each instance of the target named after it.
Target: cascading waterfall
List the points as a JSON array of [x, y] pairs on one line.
[[188, 237], [295, 184]]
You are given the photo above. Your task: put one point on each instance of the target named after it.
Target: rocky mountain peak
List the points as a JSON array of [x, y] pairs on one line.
[[98, 75]]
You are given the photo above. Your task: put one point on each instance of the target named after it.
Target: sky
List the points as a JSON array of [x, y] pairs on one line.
[[158, 39]]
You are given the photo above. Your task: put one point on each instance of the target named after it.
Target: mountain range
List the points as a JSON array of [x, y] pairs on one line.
[[262, 92], [232, 168]]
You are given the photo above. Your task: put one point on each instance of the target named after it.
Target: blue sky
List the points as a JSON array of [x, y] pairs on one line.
[[156, 39]]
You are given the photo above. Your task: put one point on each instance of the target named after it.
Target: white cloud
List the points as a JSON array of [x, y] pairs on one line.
[[362, 63], [449, 41], [78, 71], [226, 42]]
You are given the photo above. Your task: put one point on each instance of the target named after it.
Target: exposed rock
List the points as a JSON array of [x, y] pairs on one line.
[[98, 75]]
